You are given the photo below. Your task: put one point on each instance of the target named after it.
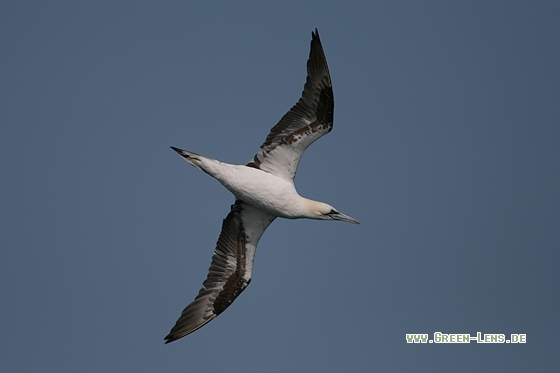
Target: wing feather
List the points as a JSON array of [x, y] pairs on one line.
[[230, 270], [310, 118]]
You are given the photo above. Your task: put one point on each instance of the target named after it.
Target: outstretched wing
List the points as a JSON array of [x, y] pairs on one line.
[[310, 118], [230, 271]]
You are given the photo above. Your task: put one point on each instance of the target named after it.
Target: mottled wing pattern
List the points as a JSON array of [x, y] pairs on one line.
[[310, 118], [230, 270]]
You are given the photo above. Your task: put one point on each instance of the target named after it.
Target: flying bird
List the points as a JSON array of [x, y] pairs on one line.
[[264, 190]]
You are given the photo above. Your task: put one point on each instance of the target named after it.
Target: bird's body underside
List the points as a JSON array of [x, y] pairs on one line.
[[264, 190]]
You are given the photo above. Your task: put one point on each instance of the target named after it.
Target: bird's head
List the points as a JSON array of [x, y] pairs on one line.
[[323, 211]]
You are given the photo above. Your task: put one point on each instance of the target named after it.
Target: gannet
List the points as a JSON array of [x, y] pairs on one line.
[[264, 190]]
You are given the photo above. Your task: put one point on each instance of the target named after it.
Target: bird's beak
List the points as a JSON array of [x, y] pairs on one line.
[[340, 216]]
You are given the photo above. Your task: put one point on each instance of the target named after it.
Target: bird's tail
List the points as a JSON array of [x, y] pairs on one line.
[[192, 158]]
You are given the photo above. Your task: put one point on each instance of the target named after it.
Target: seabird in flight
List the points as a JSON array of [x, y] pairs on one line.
[[264, 190]]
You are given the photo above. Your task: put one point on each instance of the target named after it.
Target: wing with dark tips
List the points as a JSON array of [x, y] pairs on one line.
[[310, 118], [230, 270]]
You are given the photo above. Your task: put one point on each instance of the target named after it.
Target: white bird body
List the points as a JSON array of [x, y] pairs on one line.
[[258, 188], [264, 190]]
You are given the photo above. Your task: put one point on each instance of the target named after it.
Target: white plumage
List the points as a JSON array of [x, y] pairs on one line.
[[264, 190]]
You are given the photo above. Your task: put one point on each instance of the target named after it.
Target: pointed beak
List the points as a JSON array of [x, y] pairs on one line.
[[340, 216]]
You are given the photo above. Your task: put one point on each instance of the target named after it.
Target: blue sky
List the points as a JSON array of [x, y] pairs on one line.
[[445, 147]]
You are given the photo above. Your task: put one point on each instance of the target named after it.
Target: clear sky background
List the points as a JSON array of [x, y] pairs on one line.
[[445, 146]]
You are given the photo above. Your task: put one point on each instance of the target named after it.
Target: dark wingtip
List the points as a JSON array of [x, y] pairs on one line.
[[176, 149], [174, 336], [315, 35]]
